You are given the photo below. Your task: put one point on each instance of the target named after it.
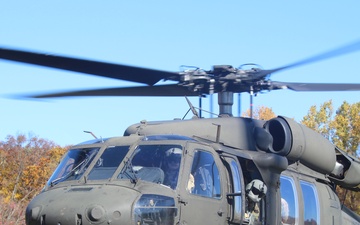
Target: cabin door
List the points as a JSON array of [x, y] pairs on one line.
[[202, 187]]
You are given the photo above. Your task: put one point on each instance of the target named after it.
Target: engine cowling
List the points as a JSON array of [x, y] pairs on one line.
[[347, 170], [300, 143]]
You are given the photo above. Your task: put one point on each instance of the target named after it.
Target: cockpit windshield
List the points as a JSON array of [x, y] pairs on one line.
[[154, 163], [73, 165], [108, 162]]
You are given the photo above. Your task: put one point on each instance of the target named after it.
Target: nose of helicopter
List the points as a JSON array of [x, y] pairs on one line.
[[103, 204]]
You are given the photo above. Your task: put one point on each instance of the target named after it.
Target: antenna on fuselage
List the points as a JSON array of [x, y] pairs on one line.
[[192, 108], [92, 134]]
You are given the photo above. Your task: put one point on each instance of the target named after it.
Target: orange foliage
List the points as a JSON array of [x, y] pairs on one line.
[[25, 165], [261, 113]]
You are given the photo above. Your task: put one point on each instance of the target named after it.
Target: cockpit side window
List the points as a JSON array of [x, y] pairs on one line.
[[289, 202], [311, 204], [109, 161], [206, 175]]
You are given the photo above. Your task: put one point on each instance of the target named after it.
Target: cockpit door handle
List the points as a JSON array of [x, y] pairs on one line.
[[181, 201]]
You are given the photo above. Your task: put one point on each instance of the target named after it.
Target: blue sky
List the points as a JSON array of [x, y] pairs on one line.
[[165, 35]]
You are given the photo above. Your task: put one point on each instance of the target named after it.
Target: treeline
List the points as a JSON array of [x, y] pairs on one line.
[[25, 165], [341, 127], [26, 162]]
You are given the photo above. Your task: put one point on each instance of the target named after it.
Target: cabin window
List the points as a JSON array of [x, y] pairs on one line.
[[289, 203], [109, 161], [311, 204], [237, 178], [206, 175]]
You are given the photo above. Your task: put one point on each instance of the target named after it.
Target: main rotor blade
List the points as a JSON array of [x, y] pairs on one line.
[[315, 86], [161, 90], [346, 49], [103, 69]]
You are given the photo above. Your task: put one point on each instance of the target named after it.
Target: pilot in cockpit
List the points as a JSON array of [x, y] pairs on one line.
[[172, 165]]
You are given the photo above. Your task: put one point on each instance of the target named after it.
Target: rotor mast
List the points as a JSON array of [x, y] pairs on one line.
[[225, 101]]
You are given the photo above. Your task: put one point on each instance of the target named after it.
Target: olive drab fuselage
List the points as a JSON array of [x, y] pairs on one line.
[[206, 171]]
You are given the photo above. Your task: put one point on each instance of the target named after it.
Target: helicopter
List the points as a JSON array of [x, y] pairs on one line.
[[224, 170]]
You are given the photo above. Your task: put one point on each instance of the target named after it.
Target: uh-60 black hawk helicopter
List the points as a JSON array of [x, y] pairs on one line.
[[224, 170]]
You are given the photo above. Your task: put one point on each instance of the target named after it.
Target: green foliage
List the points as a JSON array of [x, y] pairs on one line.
[[343, 128], [320, 120], [347, 125]]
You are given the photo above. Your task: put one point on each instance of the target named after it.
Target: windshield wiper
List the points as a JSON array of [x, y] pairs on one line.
[[68, 174], [129, 171]]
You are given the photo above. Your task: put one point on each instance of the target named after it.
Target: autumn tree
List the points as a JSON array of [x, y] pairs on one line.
[[343, 129], [261, 113], [25, 165], [347, 126], [321, 119]]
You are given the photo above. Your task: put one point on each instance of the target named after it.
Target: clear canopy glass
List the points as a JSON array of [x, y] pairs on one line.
[[73, 165]]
